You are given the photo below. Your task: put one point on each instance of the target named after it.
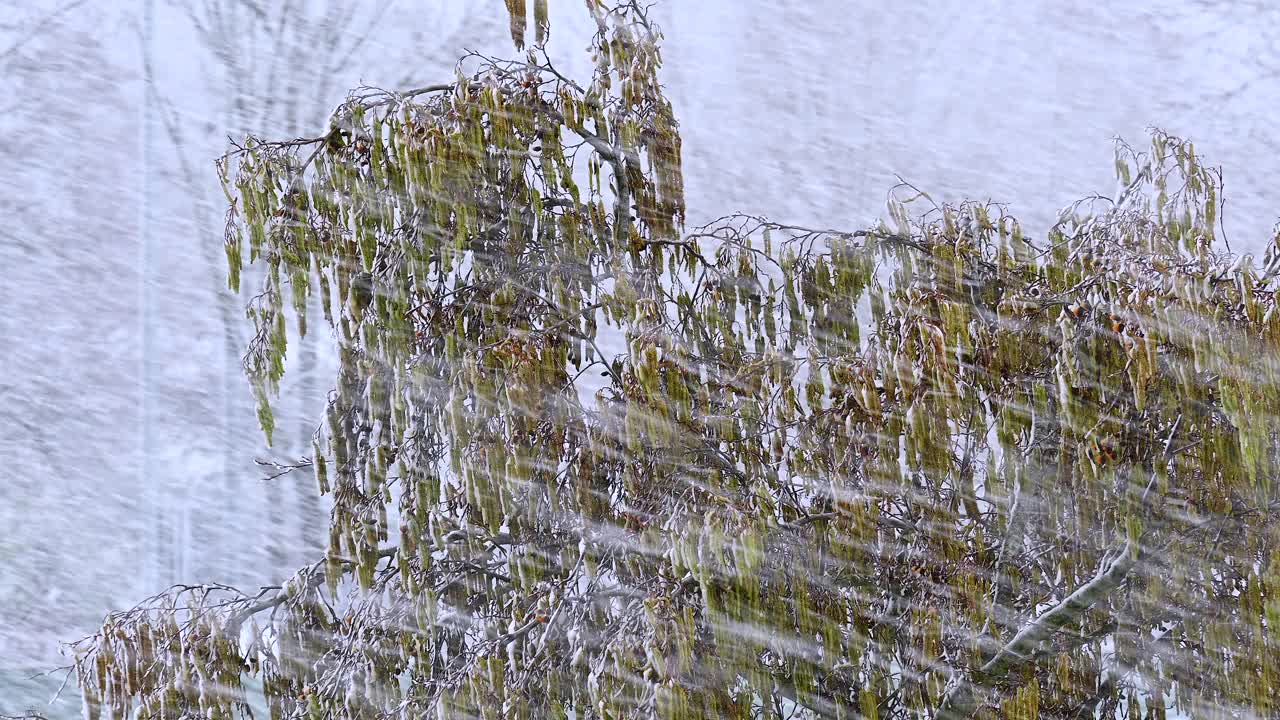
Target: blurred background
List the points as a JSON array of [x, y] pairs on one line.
[[127, 426]]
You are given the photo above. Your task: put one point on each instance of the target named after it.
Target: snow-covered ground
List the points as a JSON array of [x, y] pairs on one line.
[[805, 111]]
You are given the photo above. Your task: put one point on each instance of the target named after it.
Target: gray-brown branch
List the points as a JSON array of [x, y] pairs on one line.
[[960, 701]]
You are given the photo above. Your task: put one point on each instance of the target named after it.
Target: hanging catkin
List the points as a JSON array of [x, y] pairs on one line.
[[518, 21], [542, 26]]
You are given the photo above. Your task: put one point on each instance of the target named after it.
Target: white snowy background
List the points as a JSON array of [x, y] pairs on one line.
[[126, 426]]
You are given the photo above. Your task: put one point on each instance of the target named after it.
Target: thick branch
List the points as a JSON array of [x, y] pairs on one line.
[[616, 160], [959, 701]]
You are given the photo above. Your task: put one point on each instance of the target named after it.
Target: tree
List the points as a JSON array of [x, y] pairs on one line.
[[583, 463]]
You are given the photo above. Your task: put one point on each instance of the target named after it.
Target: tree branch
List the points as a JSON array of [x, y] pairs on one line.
[[40, 26], [960, 701], [314, 579]]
